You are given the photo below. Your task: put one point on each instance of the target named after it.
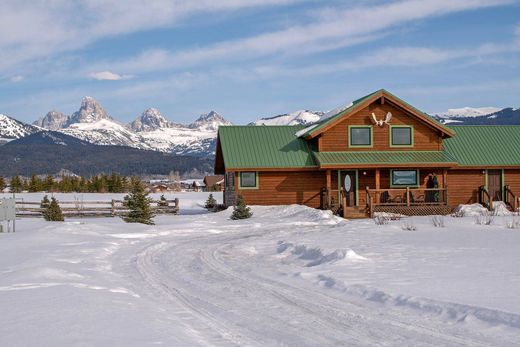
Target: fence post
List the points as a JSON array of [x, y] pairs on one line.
[[113, 207], [407, 196]]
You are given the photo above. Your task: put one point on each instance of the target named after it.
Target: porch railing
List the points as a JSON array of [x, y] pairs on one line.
[[510, 198], [406, 197], [483, 197]]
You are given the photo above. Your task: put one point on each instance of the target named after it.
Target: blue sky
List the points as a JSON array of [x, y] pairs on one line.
[[252, 58]]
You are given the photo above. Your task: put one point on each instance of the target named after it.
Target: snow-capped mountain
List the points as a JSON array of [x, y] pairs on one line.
[[53, 120], [11, 129], [294, 118], [150, 131], [480, 116], [151, 119], [89, 112], [209, 122]]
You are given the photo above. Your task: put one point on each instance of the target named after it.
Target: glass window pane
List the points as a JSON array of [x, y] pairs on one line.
[[360, 136], [404, 177], [401, 136], [248, 179]]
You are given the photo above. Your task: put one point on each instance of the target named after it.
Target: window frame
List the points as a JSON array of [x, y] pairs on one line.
[[240, 186], [370, 127], [417, 179], [391, 137]]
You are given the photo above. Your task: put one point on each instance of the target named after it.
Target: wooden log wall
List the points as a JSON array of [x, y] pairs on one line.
[[425, 137], [283, 188]]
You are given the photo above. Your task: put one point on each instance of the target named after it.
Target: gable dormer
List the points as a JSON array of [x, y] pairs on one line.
[[378, 122]]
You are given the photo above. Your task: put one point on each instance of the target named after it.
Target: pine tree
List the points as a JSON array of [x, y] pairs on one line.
[[53, 212], [35, 185], [48, 184], [241, 210], [138, 203], [2, 184], [16, 184], [44, 204], [211, 202]]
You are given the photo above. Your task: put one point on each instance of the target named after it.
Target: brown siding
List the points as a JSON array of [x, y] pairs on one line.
[[463, 186], [512, 179], [425, 137], [283, 188]]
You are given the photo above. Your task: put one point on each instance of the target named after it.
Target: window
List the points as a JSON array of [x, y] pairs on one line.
[[401, 136], [248, 180], [360, 136], [405, 178]]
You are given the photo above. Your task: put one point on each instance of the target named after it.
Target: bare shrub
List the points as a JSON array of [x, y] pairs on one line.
[[381, 220], [408, 225], [438, 221], [485, 219], [513, 223]]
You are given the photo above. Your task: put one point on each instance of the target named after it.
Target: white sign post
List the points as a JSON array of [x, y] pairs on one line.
[[8, 213]]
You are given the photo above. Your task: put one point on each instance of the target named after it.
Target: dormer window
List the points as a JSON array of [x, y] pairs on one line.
[[360, 136], [401, 136]]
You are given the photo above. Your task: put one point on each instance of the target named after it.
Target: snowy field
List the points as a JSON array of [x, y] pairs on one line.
[[290, 275]]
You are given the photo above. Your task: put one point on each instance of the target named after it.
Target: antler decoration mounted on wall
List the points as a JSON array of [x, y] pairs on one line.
[[382, 122]]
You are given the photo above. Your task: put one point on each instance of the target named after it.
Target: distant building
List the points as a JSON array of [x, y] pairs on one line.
[[214, 183]]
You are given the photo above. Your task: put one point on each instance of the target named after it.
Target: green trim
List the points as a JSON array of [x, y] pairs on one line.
[[240, 181], [503, 182], [350, 145], [357, 187], [392, 135], [418, 173]]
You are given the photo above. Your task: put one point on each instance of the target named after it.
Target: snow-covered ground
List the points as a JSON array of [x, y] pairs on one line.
[[288, 276]]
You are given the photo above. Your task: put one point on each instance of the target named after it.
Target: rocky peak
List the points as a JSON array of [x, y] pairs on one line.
[[53, 120], [209, 122], [89, 112], [151, 119]]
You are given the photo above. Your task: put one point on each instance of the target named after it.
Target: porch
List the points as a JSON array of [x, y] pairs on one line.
[[359, 193]]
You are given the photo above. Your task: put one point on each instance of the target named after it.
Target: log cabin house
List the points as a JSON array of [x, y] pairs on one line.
[[378, 154]]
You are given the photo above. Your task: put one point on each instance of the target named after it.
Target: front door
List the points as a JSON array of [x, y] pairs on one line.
[[495, 184], [348, 186]]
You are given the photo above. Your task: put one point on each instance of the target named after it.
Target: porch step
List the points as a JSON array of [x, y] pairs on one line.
[[355, 213]]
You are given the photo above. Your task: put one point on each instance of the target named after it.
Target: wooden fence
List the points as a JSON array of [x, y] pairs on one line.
[[81, 208]]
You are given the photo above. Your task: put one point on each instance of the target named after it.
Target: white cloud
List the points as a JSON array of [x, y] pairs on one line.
[[17, 78], [108, 76], [39, 28], [341, 28]]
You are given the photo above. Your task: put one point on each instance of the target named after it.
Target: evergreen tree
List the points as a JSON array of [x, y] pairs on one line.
[[44, 204], [25, 185], [138, 203], [35, 184], [53, 212], [48, 184], [2, 183], [241, 210], [16, 184], [211, 203]]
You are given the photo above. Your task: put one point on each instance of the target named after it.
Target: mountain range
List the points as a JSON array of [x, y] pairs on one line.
[[152, 132]]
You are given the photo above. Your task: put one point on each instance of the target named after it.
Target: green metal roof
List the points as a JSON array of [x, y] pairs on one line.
[[485, 145], [383, 158], [264, 147]]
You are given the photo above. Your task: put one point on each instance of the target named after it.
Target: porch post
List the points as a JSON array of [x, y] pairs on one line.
[[378, 184], [445, 185], [329, 186]]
